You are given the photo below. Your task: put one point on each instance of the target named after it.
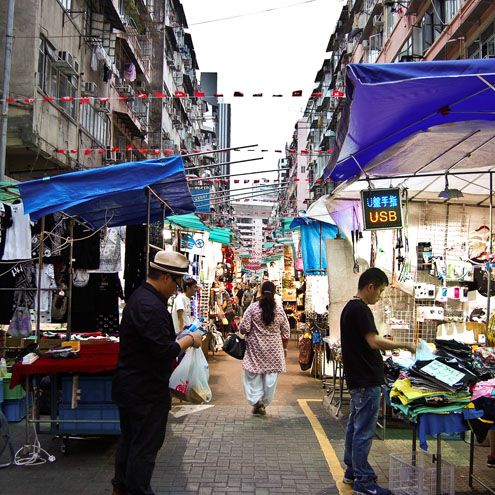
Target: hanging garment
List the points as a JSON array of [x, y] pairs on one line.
[[135, 258], [86, 250], [110, 242], [130, 72], [107, 303], [5, 223], [18, 236], [47, 282]]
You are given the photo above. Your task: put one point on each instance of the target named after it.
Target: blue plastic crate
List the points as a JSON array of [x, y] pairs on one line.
[[93, 390], [89, 412], [14, 409]]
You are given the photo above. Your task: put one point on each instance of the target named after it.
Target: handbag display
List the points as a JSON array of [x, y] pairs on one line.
[[234, 346], [20, 325]]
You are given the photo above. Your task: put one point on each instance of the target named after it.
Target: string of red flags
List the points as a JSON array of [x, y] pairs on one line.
[[86, 100], [183, 151], [255, 181]]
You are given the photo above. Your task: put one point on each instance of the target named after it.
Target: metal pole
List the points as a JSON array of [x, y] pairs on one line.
[[148, 197], [6, 85], [489, 285], [38, 289], [69, 283]]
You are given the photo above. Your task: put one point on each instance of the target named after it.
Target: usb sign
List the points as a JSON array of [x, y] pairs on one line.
[[382, 209]]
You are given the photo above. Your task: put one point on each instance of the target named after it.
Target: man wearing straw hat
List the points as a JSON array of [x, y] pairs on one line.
[[140, 382]]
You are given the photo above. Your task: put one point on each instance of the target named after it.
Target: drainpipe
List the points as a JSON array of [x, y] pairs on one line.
[[5, 89]]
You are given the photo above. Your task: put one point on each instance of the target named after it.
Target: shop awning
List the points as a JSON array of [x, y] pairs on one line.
[[8, 192], [222, 235], [418, 119], [114, 195], [189, 221]]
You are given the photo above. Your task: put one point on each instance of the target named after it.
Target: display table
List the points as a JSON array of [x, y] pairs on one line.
[[94, 358], [99, 418], [436, 424]]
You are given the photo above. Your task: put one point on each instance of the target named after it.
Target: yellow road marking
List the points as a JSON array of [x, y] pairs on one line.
[[325, 445]]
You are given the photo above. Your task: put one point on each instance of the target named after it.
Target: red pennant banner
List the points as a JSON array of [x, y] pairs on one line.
[[160, 95], [199, 94], [87, 152], [180, 94]]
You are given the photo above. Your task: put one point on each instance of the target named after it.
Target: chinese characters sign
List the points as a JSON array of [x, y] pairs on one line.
[[382, 209]]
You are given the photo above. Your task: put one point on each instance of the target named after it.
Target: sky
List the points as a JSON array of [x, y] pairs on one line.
[[273, 47]]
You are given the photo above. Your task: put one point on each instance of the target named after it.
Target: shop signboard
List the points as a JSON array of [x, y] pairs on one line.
[[382, 209], [202, 199]]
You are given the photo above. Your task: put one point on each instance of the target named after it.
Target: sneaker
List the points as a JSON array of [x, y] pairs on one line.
[[490, 462], [370, 490], [348, 477]]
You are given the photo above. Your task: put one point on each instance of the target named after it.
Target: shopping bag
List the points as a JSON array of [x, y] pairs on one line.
[[20, 325], [234, 346], [189, 381]]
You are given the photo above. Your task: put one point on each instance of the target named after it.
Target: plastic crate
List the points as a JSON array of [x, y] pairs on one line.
[[93, 389], [14, 409], [93, 412], [16, 393], [415, 473]]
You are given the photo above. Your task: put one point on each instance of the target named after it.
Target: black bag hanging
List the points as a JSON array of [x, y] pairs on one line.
[[234, 346]]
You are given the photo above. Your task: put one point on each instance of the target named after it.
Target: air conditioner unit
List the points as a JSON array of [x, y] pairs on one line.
[[102, 106], [66, 63], [375, 42], [119, 156], [89, 89], [350, 47], [378, 22], [179, 78], [319, 191], [109, 155], [366, 45]]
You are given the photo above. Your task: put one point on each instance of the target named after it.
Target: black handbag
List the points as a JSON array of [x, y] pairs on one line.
[[234, 346]]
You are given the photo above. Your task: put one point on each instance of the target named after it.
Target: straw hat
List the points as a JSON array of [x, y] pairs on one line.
[[170, 262]]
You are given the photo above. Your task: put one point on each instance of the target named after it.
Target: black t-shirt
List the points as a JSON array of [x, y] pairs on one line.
[[363, 366], [147, 350]]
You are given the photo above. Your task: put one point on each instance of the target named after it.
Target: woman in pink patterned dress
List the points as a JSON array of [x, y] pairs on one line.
[[267, 333]]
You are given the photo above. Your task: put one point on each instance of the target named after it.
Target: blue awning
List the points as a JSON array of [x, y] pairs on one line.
[[114, 195], [415, 118]]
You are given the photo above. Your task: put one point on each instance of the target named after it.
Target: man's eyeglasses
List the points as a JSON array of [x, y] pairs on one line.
[[178, 280]]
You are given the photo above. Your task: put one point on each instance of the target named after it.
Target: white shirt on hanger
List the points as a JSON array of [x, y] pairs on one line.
[[18, 236]]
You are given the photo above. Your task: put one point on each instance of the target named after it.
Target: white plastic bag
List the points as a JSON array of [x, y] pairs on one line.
[[189, 381]]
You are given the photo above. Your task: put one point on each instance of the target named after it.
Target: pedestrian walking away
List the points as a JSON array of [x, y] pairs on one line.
[[364, 375], [140, 385], [267, 333]]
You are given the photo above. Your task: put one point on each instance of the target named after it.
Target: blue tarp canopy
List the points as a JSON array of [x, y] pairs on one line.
[[416, 118], [114, 195]]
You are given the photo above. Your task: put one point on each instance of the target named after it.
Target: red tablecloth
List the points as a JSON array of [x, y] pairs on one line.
[[94, 358]]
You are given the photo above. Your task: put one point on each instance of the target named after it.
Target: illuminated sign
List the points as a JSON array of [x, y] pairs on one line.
[[382, 209]]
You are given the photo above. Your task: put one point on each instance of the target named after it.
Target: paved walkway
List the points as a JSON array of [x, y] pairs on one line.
[[222, 448]]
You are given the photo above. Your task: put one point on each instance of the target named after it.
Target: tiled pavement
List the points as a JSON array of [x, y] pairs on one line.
[[225, 449]]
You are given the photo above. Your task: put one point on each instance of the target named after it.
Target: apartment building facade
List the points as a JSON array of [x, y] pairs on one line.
[[98, 82], [389, 31]]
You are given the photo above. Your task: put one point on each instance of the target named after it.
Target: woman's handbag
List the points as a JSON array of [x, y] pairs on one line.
[[234, 346], [20, 325]]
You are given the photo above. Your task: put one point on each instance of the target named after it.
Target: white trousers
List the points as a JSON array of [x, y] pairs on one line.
[[259, 386]]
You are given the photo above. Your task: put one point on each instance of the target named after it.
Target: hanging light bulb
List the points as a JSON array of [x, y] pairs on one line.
[[448, 193]]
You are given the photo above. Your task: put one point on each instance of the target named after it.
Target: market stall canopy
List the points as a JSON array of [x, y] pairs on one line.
[[189, 221], [414, 120], [9, 192], [114, 195]]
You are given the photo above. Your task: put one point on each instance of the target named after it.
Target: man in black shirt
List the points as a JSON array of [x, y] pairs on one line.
[[140, 382], [363, 369]]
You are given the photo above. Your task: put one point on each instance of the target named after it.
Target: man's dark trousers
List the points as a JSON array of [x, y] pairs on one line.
[[142, 432]]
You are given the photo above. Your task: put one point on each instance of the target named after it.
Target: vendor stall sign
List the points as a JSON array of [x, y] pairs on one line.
[[382, 209]]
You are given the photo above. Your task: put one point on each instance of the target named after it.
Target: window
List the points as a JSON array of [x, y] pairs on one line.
[[303, 170], [484, 46], [95, 123], [433, 23], [66, 4], [54, 82]]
